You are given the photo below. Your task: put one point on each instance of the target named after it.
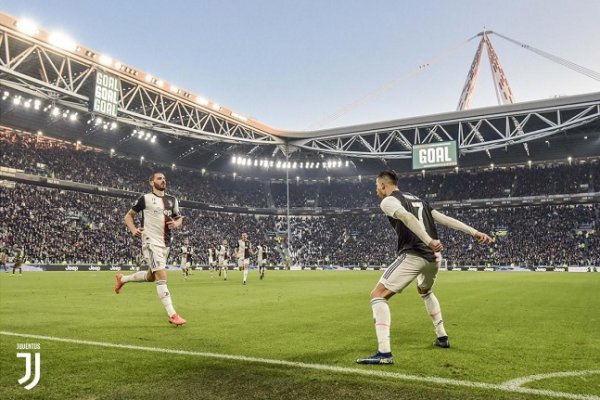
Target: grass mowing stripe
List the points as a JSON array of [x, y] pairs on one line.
[[322, 367]]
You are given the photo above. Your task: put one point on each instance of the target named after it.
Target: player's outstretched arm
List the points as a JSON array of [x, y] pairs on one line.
[[460, 226]]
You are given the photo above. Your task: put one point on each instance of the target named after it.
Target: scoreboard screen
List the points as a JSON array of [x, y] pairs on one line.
[[434, 155], [105, 99]]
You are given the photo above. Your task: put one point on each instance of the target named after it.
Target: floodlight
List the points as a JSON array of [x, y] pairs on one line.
[[27, 26], [63, 41], [105, 60]]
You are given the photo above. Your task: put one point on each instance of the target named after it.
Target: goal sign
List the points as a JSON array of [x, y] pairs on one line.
[[107, 90], [434, 155]]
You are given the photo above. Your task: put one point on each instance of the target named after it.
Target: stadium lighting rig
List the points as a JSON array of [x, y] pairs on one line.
[[286, 164], [99, 122], [144, 135], [33, 104], [27, 103], [28, 27], [65, 42]]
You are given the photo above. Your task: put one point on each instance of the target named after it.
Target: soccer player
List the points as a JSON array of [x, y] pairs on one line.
[[261, 260], [160, 215], [223, 254], [19, 259], [244, 253], [211, 260], [418, 257], [3, 260], [186, 258]]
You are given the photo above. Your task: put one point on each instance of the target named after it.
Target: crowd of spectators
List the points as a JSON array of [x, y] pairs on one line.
[[40, 155], [62, 160], [528, 236], [301, 194], [481, 184], [57, 226]]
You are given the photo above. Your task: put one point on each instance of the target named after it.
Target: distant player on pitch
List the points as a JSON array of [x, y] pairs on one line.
[[223, 253], [211, 260], [186, 258], [160, 215], [244, 254], [3, 260], [19, 260], [418, 257], [261, 260]]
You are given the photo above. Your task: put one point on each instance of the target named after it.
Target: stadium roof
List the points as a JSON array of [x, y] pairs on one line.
[[200, 134]]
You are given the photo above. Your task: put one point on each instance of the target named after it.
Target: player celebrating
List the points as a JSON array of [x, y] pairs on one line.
[[261, 260], [244, 253], [223, 254], [160, 215], [186, 258], [418, 257]]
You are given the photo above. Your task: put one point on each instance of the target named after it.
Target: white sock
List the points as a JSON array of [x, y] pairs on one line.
[[165, 297], [225, 273], [139, 276], [435, 312], [245, 274], [383, 320]]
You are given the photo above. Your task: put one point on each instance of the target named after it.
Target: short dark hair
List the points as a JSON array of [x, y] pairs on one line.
[[389, 175], [154, 174]]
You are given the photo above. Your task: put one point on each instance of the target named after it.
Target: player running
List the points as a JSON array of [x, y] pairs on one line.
[[418, 257], [211, 260], [160, 215], [244, 254], [186, 258], [223, 253], [19, 260], [261, 260]]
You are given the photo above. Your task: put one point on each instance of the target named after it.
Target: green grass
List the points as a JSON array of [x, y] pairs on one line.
[[502, 326]]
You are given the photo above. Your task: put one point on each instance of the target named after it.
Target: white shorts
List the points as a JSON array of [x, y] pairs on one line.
[[155, 256], [261, 262], [243, 262], [405, 269], [185, 264], [222, 262]]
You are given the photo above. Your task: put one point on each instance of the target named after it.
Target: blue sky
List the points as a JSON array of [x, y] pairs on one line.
[[292, 64]]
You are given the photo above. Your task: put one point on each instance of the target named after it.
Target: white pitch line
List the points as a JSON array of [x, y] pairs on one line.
[[540, 377], [319, 367]]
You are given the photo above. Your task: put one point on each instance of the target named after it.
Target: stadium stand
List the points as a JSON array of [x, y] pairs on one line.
[[58, 226], [69, 161], [62, 226], [41, 155]]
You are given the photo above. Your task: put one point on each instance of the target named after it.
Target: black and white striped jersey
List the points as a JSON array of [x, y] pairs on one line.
[[156, 211]]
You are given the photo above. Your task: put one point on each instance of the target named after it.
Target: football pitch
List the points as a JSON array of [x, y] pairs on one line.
[[297, 334]]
